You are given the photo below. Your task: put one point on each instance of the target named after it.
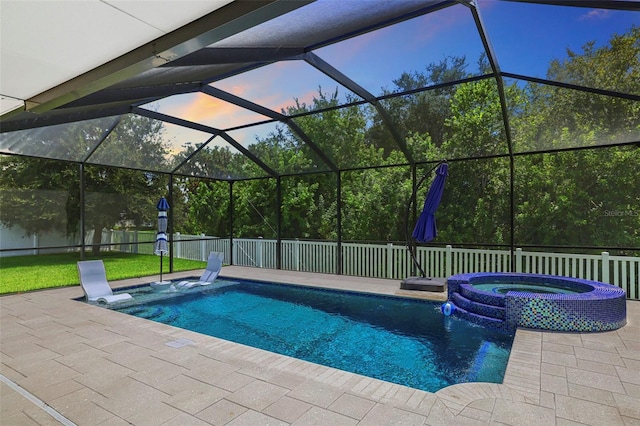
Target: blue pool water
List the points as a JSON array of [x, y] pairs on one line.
[[403, 341]]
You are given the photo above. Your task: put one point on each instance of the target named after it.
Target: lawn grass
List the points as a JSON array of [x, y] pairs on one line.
[[26, 273]]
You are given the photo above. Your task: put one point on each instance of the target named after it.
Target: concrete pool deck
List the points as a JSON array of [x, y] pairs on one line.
[[66, 362]]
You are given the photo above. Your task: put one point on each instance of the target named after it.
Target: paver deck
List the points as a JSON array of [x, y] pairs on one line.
[[65, 362]]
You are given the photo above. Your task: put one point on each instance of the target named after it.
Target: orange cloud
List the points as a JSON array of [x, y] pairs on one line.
[[238, 89], [303, 98], [203, 108]]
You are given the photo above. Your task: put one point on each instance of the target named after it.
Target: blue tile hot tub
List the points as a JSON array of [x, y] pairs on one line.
[[546, 302]]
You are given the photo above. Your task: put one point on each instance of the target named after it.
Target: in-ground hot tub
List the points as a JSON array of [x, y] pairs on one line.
[[546, 302]]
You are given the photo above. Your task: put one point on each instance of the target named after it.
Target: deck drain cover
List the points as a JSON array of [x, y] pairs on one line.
[[180, 343]]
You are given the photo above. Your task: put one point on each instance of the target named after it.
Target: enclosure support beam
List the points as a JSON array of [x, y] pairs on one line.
[[231, 19], [82, 212], [170, 217], [279, 223], [495, 67], [246, 104], [322, 66], [414, 217], [248, 154], [339, 222], [230, 222]]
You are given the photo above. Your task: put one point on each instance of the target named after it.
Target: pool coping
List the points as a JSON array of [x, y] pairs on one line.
[[93, 366]]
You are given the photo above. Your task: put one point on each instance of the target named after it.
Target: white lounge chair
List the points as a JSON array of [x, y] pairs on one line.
[[214, 265], [93, 279]]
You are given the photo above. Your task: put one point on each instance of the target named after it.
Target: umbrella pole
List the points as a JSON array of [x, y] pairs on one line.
[[161, 256], [411, 244], [422, 282]]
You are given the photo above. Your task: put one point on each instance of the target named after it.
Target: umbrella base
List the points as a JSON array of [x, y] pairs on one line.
[[422, 284]]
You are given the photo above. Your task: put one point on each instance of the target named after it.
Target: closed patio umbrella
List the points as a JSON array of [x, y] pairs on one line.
[[161, 246], [425, 229]]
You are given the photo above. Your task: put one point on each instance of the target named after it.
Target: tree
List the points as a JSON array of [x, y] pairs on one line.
[[371, 198], [112, 195], [205, 208], [34, 193], [579, 198], [570, 198], [424, 112], [374, 203], [255, 208], [475, 205], [339, 133], [612, 67]]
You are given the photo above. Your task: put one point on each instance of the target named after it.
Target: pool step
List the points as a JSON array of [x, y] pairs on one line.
[[163, 315], [480, 319], [480, 307], [491, 311], [481, 296]]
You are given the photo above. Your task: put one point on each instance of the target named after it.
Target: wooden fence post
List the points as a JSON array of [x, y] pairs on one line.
[[605, 268], [518, 260], [34, 243], [390, 260]]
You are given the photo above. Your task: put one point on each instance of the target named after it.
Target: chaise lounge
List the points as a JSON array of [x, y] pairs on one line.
[[93, 279], [214, 265]]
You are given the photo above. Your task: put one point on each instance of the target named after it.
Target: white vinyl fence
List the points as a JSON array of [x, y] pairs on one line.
[[392, 261]]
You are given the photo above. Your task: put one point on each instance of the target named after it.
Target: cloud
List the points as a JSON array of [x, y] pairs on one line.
[[259, 86], [303, 98], [176, 136], [239, 90], [208, 110], [595, 14], [275, 86], [203, 108]]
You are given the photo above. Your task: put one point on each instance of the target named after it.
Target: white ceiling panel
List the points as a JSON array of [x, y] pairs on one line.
[[44, 43], [9, 104], [169, 14]]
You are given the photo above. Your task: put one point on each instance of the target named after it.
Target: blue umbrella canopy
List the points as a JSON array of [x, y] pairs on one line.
[[163, 204], [425, 229]]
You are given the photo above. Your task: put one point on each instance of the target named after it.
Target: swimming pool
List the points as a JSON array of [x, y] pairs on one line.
[[404, 341]]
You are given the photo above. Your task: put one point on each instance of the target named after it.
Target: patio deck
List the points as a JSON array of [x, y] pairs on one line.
[[65, 362]]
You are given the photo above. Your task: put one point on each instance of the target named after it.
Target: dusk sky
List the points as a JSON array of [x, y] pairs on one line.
[[525, 38]]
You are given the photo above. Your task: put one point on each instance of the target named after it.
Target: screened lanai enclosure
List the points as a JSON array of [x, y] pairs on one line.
[[291, 134]]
